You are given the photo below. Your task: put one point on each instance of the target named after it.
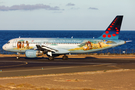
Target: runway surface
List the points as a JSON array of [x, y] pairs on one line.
[[9, 66]]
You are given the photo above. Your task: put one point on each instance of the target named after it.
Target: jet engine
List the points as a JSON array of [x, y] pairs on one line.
[[33, 53]]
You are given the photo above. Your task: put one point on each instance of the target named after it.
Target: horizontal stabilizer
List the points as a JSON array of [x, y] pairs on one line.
[[129, 41]]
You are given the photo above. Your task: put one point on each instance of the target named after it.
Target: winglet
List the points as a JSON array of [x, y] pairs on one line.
[[113, 30]]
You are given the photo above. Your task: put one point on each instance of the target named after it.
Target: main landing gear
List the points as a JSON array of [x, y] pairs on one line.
[[65, 57], [51, 58]]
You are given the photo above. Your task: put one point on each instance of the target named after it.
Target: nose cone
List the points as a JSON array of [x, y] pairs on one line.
[[4, 47]]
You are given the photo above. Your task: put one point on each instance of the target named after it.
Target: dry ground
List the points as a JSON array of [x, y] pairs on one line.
[[122, 79], [98, 80]]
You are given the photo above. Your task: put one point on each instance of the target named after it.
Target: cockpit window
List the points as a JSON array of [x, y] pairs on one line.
[[8, 42]]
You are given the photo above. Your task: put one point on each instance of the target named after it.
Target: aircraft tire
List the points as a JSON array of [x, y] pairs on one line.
[[65, 57], [17, 57], [51, 58]]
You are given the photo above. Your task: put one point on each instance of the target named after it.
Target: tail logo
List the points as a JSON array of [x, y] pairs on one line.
[[113, 29], [109, 29]]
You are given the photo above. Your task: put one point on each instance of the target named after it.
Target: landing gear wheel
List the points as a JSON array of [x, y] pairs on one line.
[[17, 57], [51, 58], [65, 57], [18, 54]]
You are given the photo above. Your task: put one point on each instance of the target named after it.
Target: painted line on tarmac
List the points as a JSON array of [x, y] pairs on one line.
[[68, 62], [25, 63], [52, 68]]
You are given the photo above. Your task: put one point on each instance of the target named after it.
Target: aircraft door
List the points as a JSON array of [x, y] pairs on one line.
[[14, 43]]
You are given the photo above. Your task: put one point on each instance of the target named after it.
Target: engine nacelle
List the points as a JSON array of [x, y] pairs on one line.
[[33, 53]]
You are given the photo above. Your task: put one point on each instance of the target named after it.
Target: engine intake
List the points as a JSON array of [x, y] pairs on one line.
[[33, 53]]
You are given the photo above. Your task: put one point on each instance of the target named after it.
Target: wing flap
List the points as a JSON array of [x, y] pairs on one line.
[[52, 49]]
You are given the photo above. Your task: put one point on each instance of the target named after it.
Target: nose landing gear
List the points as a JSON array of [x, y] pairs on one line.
[[18, 56]]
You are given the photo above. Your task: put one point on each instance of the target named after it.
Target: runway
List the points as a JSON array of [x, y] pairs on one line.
[[9, 66]]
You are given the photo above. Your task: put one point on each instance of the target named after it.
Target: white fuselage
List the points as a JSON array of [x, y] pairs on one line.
[[69, 45]]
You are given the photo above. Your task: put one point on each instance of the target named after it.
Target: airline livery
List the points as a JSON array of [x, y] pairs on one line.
[[52, 47]]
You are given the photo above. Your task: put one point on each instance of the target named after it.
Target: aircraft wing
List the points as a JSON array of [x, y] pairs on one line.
[[52, 49]]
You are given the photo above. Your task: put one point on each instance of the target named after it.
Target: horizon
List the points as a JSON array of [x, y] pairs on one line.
[[62, 30]]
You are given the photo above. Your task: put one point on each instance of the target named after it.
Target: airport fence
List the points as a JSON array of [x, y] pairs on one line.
[[116, 51], [107, 51]]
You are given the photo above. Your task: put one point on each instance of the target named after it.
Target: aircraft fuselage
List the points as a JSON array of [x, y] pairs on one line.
[[71, 45]]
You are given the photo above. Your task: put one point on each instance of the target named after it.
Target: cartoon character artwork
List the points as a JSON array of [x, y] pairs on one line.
[[20, 44], [27, 44], [90, 45], [23, 45]]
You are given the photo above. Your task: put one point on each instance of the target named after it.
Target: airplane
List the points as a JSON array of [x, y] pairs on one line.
[[52, 47]]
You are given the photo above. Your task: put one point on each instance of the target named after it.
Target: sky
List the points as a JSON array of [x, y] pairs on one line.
[[65, 14]]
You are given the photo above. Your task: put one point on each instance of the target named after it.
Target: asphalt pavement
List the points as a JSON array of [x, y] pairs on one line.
[[10, 67]]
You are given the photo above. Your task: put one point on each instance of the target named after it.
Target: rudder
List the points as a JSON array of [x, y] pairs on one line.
[[113, 30]]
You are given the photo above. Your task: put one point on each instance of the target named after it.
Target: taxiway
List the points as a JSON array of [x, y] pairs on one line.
[[9, 66]]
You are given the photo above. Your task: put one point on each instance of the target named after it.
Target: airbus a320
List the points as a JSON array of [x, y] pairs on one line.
[[52, 47]]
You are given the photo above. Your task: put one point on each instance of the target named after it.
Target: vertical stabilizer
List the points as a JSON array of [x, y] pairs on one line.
[[113, 30]]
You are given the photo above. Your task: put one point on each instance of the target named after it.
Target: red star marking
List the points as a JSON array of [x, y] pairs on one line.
[[114, 35], [109, 28], [107, 32], [109, 35], [117, 32], [104, 36], [115, 19]]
